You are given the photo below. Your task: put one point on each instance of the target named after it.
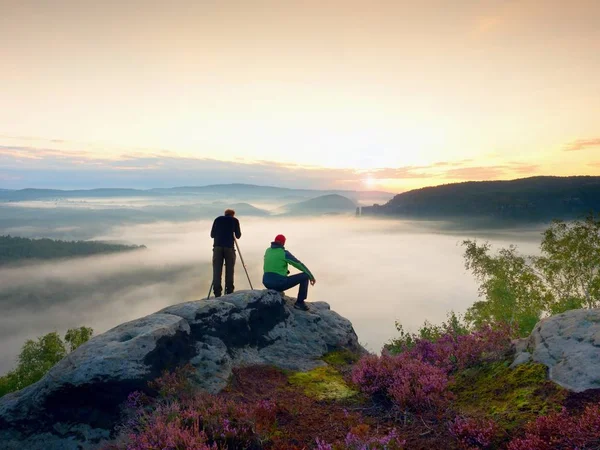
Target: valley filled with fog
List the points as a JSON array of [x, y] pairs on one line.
[[372, 271]]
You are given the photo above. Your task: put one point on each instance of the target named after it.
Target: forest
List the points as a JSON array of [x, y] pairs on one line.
[[16, 249]]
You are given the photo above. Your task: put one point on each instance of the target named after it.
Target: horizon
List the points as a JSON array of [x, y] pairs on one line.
[[293, 188], [345, 96]]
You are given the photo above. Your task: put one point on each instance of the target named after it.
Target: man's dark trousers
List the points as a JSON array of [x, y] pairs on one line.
[[281, 283], [220, 254]]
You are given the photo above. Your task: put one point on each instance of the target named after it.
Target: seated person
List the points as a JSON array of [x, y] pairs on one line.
[[276, 272]]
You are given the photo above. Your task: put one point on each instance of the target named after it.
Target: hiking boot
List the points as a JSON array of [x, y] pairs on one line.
[[301, 306]]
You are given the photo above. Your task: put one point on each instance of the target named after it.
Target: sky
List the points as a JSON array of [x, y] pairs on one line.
[[386, 95]]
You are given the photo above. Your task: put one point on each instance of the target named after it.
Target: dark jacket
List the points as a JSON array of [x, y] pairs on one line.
[[223, 229]]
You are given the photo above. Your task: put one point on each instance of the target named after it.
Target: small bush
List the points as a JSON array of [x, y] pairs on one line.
[[39, 356], [473, 433], [179, 418], [362, 438], [411, 384], [456, 352], [357, 440], [454, 325], [417, 378], [562, 431]]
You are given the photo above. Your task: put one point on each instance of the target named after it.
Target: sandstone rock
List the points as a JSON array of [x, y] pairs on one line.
[[76, 405], [521, 358], [569, 344]]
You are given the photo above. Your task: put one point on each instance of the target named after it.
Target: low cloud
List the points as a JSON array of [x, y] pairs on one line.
[[581, 144], [103, 291]]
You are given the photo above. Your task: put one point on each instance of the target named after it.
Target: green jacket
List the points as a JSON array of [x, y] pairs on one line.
[[277, 259]]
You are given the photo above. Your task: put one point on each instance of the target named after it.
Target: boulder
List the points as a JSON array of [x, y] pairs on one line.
[[569, 345], [77, 404]]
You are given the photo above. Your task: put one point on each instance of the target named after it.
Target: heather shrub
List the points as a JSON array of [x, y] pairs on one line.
[[355, 440], [322, 445], [179, 418], [454, 325], [416, 379], [456, 351], [410, 383], [473, 433], [562, 431], [362, 438], [418, 386], [373, 374]]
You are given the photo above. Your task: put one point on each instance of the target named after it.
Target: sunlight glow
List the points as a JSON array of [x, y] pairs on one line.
[[370, 182]]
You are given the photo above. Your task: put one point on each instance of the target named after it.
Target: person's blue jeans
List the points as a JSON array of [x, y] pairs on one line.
[[281, 283]]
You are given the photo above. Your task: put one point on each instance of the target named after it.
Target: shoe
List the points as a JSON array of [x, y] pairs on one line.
[[301, 306]]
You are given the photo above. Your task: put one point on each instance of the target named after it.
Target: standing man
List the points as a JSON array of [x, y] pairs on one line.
[[223, 230], [276, 272]]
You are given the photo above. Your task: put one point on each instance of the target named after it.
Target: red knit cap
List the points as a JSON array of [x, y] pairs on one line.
[[280, 239]]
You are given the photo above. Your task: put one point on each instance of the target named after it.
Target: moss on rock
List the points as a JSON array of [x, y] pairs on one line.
[[322, 383], [511, 396], [341, 358]]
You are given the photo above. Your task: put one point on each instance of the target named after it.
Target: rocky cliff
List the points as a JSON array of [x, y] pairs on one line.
[[77, 404]]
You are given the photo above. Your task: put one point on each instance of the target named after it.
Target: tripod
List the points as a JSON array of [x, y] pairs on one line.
[[237, 246]]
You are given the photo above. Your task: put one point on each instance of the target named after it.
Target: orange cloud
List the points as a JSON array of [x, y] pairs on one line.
[[475, 173], [582, 144]]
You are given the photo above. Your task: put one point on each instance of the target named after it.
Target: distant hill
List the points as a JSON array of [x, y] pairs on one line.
[[246, 209], [46, 194], [325, 204], [251, 192], [536, 199], [236, 191], [17, 249]]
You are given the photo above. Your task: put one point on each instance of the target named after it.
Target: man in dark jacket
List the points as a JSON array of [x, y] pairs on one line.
[[276, 272], [223, 230]]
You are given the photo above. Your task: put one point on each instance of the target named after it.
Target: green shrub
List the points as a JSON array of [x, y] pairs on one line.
[[520, 289], [39, 356], [78, 336]]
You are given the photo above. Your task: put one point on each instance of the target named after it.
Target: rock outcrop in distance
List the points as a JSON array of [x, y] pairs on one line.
[[77, 404], [569, 345]]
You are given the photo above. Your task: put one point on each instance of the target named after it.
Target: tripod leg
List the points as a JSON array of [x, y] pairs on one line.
[[209, 290], [243, 263]]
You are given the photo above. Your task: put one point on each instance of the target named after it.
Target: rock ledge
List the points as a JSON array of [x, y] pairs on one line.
[[76, 405], [569, 345]]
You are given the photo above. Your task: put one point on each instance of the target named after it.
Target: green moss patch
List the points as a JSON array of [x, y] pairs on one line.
[[341, 358], [511, 396], [322, 383]]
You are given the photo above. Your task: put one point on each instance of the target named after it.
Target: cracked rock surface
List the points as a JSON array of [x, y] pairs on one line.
[[569, 345], [77, 404]]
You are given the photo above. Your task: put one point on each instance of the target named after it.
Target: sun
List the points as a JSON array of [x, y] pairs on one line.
[[370, 182]]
